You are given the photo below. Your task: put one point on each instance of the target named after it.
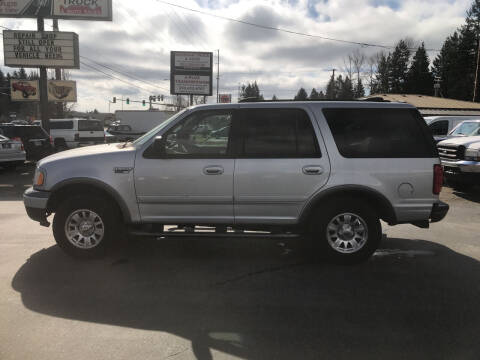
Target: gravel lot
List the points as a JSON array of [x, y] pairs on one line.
[[417, 298]]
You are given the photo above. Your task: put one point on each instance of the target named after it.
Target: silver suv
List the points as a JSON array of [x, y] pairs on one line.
[[328, 171]]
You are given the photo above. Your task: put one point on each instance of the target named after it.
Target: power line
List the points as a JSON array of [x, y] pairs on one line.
[[266, 27]]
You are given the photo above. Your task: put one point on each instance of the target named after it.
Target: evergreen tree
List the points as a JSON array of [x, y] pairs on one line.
[[314, 95], [22, 74], [274, 97], [381, 83], [301, 95], [251, 92], [359, 89], [346, 88], [419, 76], [331, 91], [398, 67], [321, 95]]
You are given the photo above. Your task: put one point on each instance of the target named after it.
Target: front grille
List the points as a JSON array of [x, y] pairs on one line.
[[451, 152]]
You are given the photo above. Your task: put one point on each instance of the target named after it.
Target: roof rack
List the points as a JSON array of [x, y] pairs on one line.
[[372, 99]]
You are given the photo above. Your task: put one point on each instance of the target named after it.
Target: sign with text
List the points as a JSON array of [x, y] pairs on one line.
[[191, 73], [62, 91], [41, 48], [224, 98], [58, 9], [24, 90]]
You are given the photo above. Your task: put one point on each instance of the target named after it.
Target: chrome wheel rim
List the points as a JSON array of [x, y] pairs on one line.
[[347, 233], [84, 229]]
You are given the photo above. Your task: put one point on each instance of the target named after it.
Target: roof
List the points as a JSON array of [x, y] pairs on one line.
[[431, 102]]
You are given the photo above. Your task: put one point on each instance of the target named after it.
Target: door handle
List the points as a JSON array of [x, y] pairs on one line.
[[312, 170], [213, 170]]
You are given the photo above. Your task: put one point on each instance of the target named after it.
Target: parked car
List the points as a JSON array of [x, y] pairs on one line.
[[123, 132], [109, 138], [72, 133], [36, 141], [324, 171], [460, 158], [466, 128], [441, 126], [12, 153]]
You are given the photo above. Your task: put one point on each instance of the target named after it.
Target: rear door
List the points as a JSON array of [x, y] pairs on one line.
[[280, 165], [90, 131]]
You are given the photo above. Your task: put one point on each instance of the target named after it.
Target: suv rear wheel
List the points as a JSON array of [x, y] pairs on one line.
[[346, 232], [84, 226]]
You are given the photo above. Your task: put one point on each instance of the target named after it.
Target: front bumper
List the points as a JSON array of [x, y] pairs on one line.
[[36, 205], [439, 211], [462, 166]]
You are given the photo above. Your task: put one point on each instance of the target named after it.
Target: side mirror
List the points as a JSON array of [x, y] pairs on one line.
[[159, 145]]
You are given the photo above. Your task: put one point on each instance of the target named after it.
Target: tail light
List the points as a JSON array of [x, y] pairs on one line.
[[437, 178], [20, 141], [51, 140]]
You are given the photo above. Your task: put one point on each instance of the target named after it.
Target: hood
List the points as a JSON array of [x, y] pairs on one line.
[[467, 141], [87, 151]]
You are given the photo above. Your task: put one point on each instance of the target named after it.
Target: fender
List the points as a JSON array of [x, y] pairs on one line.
[[380, 201], [97, 184]]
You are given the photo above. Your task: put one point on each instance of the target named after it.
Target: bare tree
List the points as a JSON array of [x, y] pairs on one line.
[[348, 65], [358, 60]]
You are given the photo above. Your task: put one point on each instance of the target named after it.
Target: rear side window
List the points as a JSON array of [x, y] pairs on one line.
[[439, 127], [35, 132], [24, 131], [61, 125], [380, 133], [277, 133], [90, 125]]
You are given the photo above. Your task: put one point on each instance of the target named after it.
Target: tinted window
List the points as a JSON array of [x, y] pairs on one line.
[[277, 133], [439, 127], [61, 125], [380, 133], [204, 134], [24, 131], [90, 125]]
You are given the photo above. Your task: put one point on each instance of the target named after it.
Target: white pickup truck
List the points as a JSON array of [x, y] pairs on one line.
[[72, 133]]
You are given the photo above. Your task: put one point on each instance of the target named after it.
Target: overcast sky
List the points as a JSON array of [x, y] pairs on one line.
[[143, 32]]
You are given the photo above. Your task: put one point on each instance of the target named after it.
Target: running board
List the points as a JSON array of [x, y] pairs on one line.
[[212, 235]]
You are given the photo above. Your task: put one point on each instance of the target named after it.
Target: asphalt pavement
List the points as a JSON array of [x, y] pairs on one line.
[[417, 298]]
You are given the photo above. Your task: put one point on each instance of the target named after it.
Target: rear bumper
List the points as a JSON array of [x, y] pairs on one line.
[[439, 211], [36, 205]]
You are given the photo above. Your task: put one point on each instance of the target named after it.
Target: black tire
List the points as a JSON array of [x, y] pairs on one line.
[[460, 186], [323, 216], [106, 211]]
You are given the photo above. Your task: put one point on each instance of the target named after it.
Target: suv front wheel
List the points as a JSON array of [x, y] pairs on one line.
[[84, 226], [346, 232]]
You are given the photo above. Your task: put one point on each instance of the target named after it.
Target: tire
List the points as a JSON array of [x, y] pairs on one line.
[[460, 186], [343, 245], [101, 223]]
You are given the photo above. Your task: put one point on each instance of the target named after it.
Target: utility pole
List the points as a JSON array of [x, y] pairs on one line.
[[476, 71], [218, 71], [334, 73], [58, 76], [43, 86]]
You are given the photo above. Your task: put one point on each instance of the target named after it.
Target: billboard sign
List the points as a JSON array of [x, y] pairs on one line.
[[224, 98], [62, 91], [41, 48], [58, 9], [24, 90], [191, 73]]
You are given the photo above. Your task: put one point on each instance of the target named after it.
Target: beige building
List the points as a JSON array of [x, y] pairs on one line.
[[433, 106]]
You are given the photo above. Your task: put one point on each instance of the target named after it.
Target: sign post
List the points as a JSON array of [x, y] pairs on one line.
[[43, 86]]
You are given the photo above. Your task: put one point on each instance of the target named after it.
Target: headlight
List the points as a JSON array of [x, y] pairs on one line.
[[39, 178], [472, 154]]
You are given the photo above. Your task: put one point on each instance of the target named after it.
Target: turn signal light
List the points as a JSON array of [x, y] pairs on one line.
[[40, 179], [437, 179]]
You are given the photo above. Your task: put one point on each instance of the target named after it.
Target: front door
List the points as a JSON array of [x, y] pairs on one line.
[[190, 178], [280, 165]]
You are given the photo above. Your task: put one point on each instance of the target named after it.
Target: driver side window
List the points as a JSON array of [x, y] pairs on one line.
[[204, 134]]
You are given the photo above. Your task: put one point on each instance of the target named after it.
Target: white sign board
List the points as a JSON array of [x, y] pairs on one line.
[[193, 61], [62, 91], [57, 9], [41, 48], [192, 84], [24, 90], [191, 73]]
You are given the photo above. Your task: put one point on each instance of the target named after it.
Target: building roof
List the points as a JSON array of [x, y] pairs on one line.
[[431, 102]]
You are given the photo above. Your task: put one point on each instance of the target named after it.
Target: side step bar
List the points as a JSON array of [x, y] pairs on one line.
[[173, 234]]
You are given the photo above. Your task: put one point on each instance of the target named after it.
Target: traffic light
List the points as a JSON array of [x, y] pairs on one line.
[[128, 101], [114, 100], [143, 102]]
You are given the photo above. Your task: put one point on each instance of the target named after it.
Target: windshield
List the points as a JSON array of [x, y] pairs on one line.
[[144, 138], [467, 128]]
